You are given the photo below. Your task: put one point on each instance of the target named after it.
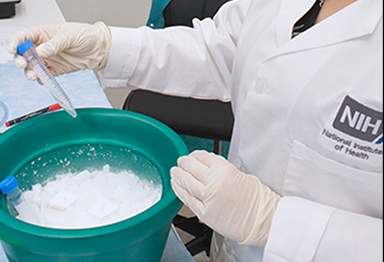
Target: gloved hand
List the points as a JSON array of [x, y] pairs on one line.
[[232, 203], [65, 48]]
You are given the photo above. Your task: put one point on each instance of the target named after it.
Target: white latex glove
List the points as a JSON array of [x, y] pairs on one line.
[[65, 48], [232, 203]]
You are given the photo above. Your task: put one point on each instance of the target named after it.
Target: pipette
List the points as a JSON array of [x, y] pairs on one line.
[[27, 50]]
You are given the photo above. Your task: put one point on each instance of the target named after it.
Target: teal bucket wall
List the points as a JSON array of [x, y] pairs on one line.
[[140, 238]]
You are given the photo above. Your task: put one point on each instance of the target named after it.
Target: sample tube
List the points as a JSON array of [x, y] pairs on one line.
[[10, 187], [27, 50]]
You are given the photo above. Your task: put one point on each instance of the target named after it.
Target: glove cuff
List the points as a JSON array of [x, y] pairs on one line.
[[107, 44], [267, 202]]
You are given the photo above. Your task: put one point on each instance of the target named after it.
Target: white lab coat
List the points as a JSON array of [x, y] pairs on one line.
[[308, 115]]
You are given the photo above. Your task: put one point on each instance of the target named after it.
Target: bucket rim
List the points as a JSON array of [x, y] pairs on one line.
[[168, 198]]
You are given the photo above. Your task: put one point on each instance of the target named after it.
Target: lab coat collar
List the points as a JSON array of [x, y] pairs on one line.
[[358, 19]]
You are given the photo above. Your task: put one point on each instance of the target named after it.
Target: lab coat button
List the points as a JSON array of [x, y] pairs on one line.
[[243, 168], [228, 247], [260, 86]]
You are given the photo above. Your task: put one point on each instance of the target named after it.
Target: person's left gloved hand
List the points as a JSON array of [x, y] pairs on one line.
[[232, 203]]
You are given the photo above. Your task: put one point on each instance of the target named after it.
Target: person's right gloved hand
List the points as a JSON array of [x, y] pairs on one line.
[[65, 48], [234, 204]]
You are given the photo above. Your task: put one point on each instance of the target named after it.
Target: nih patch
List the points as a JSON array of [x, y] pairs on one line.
[[359, 121]]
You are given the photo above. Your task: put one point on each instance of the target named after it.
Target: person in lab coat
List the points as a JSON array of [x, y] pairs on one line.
[[303, 180]]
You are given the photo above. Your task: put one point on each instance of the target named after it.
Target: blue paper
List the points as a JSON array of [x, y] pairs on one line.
[[23, 96]]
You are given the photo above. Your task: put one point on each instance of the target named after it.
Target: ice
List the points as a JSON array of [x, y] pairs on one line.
[[91, 198]]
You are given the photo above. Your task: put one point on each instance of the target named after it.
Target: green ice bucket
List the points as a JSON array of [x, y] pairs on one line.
[[139, 238]]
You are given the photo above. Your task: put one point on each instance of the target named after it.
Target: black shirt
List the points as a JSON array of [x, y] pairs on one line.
[[307, 20]]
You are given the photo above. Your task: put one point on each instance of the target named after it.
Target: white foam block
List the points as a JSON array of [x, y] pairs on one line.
[[103, 208], [63, 200]]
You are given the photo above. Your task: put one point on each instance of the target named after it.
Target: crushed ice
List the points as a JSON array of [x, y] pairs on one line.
[[90, 199]]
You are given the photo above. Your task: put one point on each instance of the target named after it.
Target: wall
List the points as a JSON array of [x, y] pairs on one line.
[[132, 13], [124, 13]]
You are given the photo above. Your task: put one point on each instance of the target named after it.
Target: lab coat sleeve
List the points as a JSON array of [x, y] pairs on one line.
[[303, 230], [178, 60]]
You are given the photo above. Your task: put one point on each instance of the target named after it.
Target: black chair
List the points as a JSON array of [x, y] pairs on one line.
[[208, 119]]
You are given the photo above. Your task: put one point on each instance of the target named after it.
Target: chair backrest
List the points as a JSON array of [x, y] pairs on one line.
[[181, 12], [156, 18], [210, 119]]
